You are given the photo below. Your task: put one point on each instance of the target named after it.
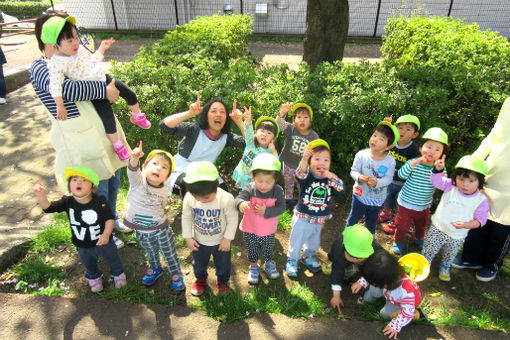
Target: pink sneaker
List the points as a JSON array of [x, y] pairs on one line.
[[140, 120], [122, 152], [120, 281], [96, 285]]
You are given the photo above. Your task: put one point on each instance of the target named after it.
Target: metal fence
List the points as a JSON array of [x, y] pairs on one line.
[[367, 17]]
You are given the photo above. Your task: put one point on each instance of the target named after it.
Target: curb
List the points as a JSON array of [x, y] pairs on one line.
[[17, 77]]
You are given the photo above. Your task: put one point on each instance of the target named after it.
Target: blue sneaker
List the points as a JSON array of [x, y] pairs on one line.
[[253, 275], [271, 271], [398, 248], [178, 282], [151, 276], [312, 264], [444, 273], [459, 264], [291, 268], [487, 274]]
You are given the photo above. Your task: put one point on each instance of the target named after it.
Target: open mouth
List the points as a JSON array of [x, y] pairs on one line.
[[154, 174]]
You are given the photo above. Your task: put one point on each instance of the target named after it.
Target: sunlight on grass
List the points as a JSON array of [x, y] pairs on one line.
[[284, 220], [54, 236], [136, 293], [36, 270]]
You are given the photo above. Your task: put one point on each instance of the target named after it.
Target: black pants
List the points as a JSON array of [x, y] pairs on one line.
[[104, 108]]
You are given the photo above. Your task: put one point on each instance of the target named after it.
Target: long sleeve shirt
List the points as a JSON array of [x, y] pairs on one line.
[[338, 264], [417, 192], [402, 154], [295, 143]]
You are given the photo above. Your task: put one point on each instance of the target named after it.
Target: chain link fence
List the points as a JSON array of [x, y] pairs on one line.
[[367, 17]]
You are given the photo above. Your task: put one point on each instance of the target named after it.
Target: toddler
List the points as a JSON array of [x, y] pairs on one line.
[[261, 202], [209, 223], [147, 198], [266, 132], [91, 222], [314, 206], [75, 62], [462, 208], [416, 195], [372, 171], [297, 136]]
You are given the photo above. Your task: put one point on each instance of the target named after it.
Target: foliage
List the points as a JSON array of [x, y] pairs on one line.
[[24, 9], [36, 270], [54, 236]]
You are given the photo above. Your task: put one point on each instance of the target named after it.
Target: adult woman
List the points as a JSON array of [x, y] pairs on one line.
[[79, 140], [485, 248], [3, 87], [203, 140]]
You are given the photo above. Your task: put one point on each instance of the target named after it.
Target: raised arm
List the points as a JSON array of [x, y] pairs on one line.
[[177, 118]]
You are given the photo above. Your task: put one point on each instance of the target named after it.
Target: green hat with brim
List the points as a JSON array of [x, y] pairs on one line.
[[82, 171], [394, 129], [52, 28], [166, 153], [317, 142], [473, 163], [358, 241], [300, 105], [200, 171], [272, 120], [408, 119], [436, 134], [266, 161]]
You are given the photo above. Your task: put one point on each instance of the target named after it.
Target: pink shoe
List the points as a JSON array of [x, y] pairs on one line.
[[122, 152], [96, 285], [120, 281], [140, 120]]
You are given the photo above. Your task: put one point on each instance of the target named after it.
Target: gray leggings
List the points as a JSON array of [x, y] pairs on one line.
[[372, 294], [160, 240], [435, 240]]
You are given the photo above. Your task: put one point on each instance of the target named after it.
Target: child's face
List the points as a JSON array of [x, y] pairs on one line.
[[353, 259], [216, 117], [205, 198], [302, 120], [467, 185], [264, 182], [79, 186], [407, 133], [379, 142], [320, 162], [432, 151], [156, 170], [264, 137], [69, 46]]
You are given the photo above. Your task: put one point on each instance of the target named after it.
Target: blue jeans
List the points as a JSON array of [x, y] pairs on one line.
[[391, 197], [3, 87], [109, 188], [221, 262], [358, 210], [89, 257]]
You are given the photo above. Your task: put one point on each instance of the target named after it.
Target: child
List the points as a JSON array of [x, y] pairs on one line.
[[462, 208], [416, 195], [91, 222], [372, 171], [75, 62], [353, 247], [209, 223], [386, 277], [297, 136], [408, 127], [147, 198], [266, 132], [314, 206], [261, 202]]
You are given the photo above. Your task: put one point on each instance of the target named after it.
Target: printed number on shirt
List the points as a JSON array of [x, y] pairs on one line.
[[298, 146]]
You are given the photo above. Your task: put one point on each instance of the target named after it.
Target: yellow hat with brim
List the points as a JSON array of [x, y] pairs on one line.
[[271, 119], [436, 134], [394, 129], [82, 171], [166, 153], [408, 119], [317, 142], [200, 171], [358, 241], [267, 162], [416, 266], [473, 163], [300, 105], [52, 28]]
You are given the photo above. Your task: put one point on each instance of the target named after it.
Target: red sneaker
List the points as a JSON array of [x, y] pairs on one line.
[[198, 287], [222, 287], [390, 228], [384, 216]]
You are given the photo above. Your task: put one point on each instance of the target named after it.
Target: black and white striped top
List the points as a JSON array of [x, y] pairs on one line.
[[72, 91]]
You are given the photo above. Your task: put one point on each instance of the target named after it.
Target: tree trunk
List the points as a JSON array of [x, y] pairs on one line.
[[327, 25]]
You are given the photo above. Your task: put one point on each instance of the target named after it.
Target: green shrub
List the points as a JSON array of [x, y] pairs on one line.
[[24, 9]]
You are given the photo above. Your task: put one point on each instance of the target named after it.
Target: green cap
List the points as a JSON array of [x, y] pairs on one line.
[[271, 119], [317, 142], [300, 105], [52, 28], [157, 151], [473, 163], [82, 171], [358, 241], [436, 134], [394, 129], [200, 171], [266, 161], [408, 119]]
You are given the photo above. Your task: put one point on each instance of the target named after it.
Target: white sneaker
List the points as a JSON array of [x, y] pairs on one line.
[[3, 101], [120, 226], [253, 275], [118, 242]]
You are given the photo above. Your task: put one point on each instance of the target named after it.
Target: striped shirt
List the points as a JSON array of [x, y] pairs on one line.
[[72, 91], [417, 191]]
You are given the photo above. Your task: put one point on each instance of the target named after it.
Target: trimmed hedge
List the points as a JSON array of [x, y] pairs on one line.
[[24, 9]]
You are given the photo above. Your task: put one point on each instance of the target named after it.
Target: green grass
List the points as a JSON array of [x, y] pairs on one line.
[[35, 270], [284, 220], [54, 236], [137, 293]]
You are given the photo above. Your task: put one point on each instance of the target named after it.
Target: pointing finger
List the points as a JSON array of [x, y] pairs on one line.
[[39, 182], [235, 105], [198, 98]]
